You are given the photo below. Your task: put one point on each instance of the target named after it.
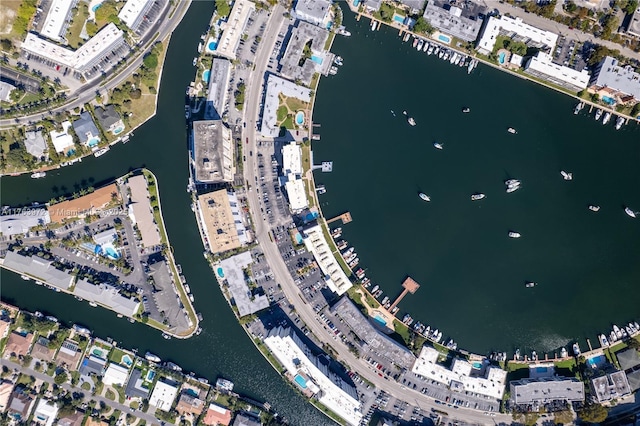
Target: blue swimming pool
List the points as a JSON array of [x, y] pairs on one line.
[[220, 273], [300, 118], [112, 253], [300, 381], [501, 57], [212, 45], [150, 375], [311, 216], [356, 2], [205, 75], [444, 38], [541, 369], [596, 361], [126, 360], [96, 7], [298, 238], [316, 59], [93, 141], [118, 130], [399, 19], [608, 100], [477, 365], [380, 320]]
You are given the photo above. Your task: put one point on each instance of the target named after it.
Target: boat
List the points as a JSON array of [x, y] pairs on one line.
[[385, 300], [186, 286], [472, 64], [576, 349], [424, 196], [453, 58], [338, 60], [170, 365], [187, 112], [420, 45], [24, 277], [393, 113], [619, 123], [578, 108], [603, 340], [426, 47], [38, 314], [563, 352], [100, 152], [411, 121], [80, 329], [203, 380], [406, 37], [354, 262], [534, 355], [166, 336], [598, 114], [512, 130], [224, 384], [51, 318], [415, 42], [617, 331], [195, 61], [342, 31], [193, 299], [438, 336], [566, 175], [517, 355], [594, 208], [466, 110], [333, 71], [511, 182], [373, 25], [457, 60], [438, 145], [198, 331], [375, 288], [512, 188], [152, 357], [530, 284], [630, 212], [342, 244], [38, 175], [513, 234], [336, 231], [440, 53], [476, 197], [606, 118], [430, 49], [348, 252], [612, 337], [93, 304]]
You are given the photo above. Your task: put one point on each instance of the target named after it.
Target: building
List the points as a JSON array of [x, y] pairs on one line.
[[45, 412], [516, 30], [163, 394], [610, 386], [35, 144], [39, 268], [88, 204], [243, 419], [5, 393], [133, 12], [217, 89], [541, 66], [622, 81], [634, 24], [370, 337], [463, 376], [141, 212], [277, 86], [109, 119], [311, 373], [234, 27], [92, 365], [450, 20], [305, 54], [69, 354], [291, 177], [106, 296], [314, 240], [18, 344], [86, 130], [315, 12], [20, 404], [62, 141], [221, 220], [5, 91], [629, 360], [413, 4], [57, 20], [189, 404], [545, 390], [135, 385], [83, 60], [115, 375], [246, 300], [20, 223], [372, 5], [217, 415], [41, 350], [213, 152], [74, 419]]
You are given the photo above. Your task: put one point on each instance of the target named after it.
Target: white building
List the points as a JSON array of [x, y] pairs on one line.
[[243, 232], [542, 67], [292, 177], [107, 296], [313, 11], [5, 91], [463, 376], [115, 375], [546, 390], [163, 395], [517, 30], [133, 11], [21, 222], [622, 81], [234, 27], [45, 413], [275, 87], [312, 374], [335, 277], [57, 20], [62, 141]]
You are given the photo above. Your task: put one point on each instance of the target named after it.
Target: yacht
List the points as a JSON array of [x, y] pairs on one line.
[[598, 114], [224, 384], [512, 130], [606, 118], [38, 175], [578, 108], [420, 45], [152, 357], [453, 58], [166, 336], [415, 42], [348, 252], [566, 175], [426, 47], [472, 65], [466, 110], [354, 263], [530, 284], [333, 71], [385, 300], [619, 123], [478, 196], [534, 355], [24, 277], [576, 349], [100, 152], [513, 234], [617, 331], [630, 212], [338, 61], [375, 288], [511, 182], [175, 367], [513, 188], [195, 61], [517, 355], [457, 61], [411, 121], [594, 208], [563, 352], [343, 31], [430, 49], [603, 340], [93, 304], [438, 145], [424, 196], [441, 53]]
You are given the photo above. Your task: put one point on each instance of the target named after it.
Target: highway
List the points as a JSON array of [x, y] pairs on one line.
[[163, 27]]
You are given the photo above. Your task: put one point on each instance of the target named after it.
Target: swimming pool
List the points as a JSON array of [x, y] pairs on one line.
[[205, 75], [311, 216], [112, 253], [126, 360], [541, 369], [477, 365], [596, 361], [298, 238], [98, 352], [444, 38], [299, 118], [501, 57], [220, 273], [93, 141], [399, 19], [380, 320], [316, 59], [300, 381], [96, 7], [356, 2], [118, 130], [608, 100], [212, 45], [150, 375]]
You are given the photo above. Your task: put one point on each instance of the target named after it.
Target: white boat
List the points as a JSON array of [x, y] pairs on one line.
[[333, 71], [338, 60], [224, 384], [348, 252], [411, 121], [603, 340], [373, 25], [172, 366], [530, 284], [478, 196], [438, 145], [424, 196], [512, 188], [563, 352], [441, 53], [453, 58], [457, 61], [152, 357], [630, 212], [38, 175], [511, 182], [166, 336], [598, 114], [576, 349], [375, 288], [617, 331], [578, 108], [426, 47], [466, 110], [513, 234], [430, 49], [566, 175], [93, 304], [619, 123], [606, 118], [24, 277], [195, 61], [342, 31], [415, 42], [472, 65], [100, 152], [512, 130], [420, 45], [594, 208]]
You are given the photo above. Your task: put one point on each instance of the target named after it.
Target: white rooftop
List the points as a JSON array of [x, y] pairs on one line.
[[232, 270], [45, 412], [115, 375], [297, 194], [56, 19], [316, 243], [233, 28], [163, 395], [62, 140], [507, 25], [621, 78], [541, 63], [292, 158], [21, 222], [106, 296], [131, 11], [276, 86]]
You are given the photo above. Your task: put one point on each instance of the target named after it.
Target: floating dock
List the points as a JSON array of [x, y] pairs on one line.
[[410, 286], [345, 217]]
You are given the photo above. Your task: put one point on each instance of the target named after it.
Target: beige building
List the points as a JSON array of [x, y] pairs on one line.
[[221, 221]]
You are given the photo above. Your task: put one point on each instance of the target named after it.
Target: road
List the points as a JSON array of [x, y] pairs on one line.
[[151, 420], [163, 26]]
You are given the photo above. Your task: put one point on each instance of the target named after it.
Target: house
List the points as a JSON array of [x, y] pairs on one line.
[[74, 419], [5, 91], [115, 375], [217, 415], [92, 365], [163, 394], [86, 130], [5, 393], [20, 404], [45, 413], [41, 350], [189, 404], [69, 354], [109, 119], [93, 421], [35, 144], [18, 344], [62, 141], [313, 11], [135, 386], [243, 419]]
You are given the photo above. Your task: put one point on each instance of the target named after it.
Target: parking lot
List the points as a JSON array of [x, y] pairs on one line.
[[569, 53]]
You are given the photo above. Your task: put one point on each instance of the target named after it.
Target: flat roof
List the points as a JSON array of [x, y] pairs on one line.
[[302, 35], [292, 158], [81, 206], [621, 78], [564, 76], [634, 24], [233, 28], [611, 386], [163, 394], [213, 151], [218, 221], [20, 223], [315, 11], [39, 268], [218, 87], [297, 195], [106, 296], [544, 390], [142, 212], [316, 243], [56, 19], [276, 86], [62, 140], [451, 22], [131, 11], [232, 270], [514, 26], [115, 374]]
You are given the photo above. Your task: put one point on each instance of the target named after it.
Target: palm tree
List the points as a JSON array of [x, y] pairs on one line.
[[83, 192], [53, 201]]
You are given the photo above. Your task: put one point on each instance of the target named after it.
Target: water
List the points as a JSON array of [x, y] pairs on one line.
[[222, 349], [471, 274]]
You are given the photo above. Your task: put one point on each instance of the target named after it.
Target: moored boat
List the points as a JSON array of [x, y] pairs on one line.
[[411, 121], [619, 123], [606, 118], [578, 107], [38, 175], [598, 114], [424, 196], [466, 110], [100, 152], [630, 212], [438, 145], [563, 352], [152, 357], [566, 175], [603, 340], [512, 130], [576, 349], [478, 196], [530, 284]]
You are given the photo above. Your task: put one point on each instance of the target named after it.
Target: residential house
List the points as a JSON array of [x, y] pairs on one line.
[[18, 344], [41, 350], [6, 387], [217, 415], [69, 354], [189, 404], [45, 413], [20, 404], [35, 144], [86, 130], [109, 119]]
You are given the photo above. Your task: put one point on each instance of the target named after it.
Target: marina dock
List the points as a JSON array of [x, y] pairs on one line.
[[410, 286], [345, 217]]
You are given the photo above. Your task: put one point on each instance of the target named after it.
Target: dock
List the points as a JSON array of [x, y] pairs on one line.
[[410, 286], [345, 217]]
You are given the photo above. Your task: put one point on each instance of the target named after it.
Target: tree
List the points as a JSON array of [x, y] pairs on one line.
[[150, 61], [630, 7], [222, 7], [422, 26], [92, 28], [635, 112], [60, 378], [593, 413], [564, 417]]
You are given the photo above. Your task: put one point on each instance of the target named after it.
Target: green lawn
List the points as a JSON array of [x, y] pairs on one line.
[[77, 22], [281, 113], [116, 355]]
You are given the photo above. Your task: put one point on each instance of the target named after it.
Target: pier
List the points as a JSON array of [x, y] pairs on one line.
[[345, 217], [410, 286]]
